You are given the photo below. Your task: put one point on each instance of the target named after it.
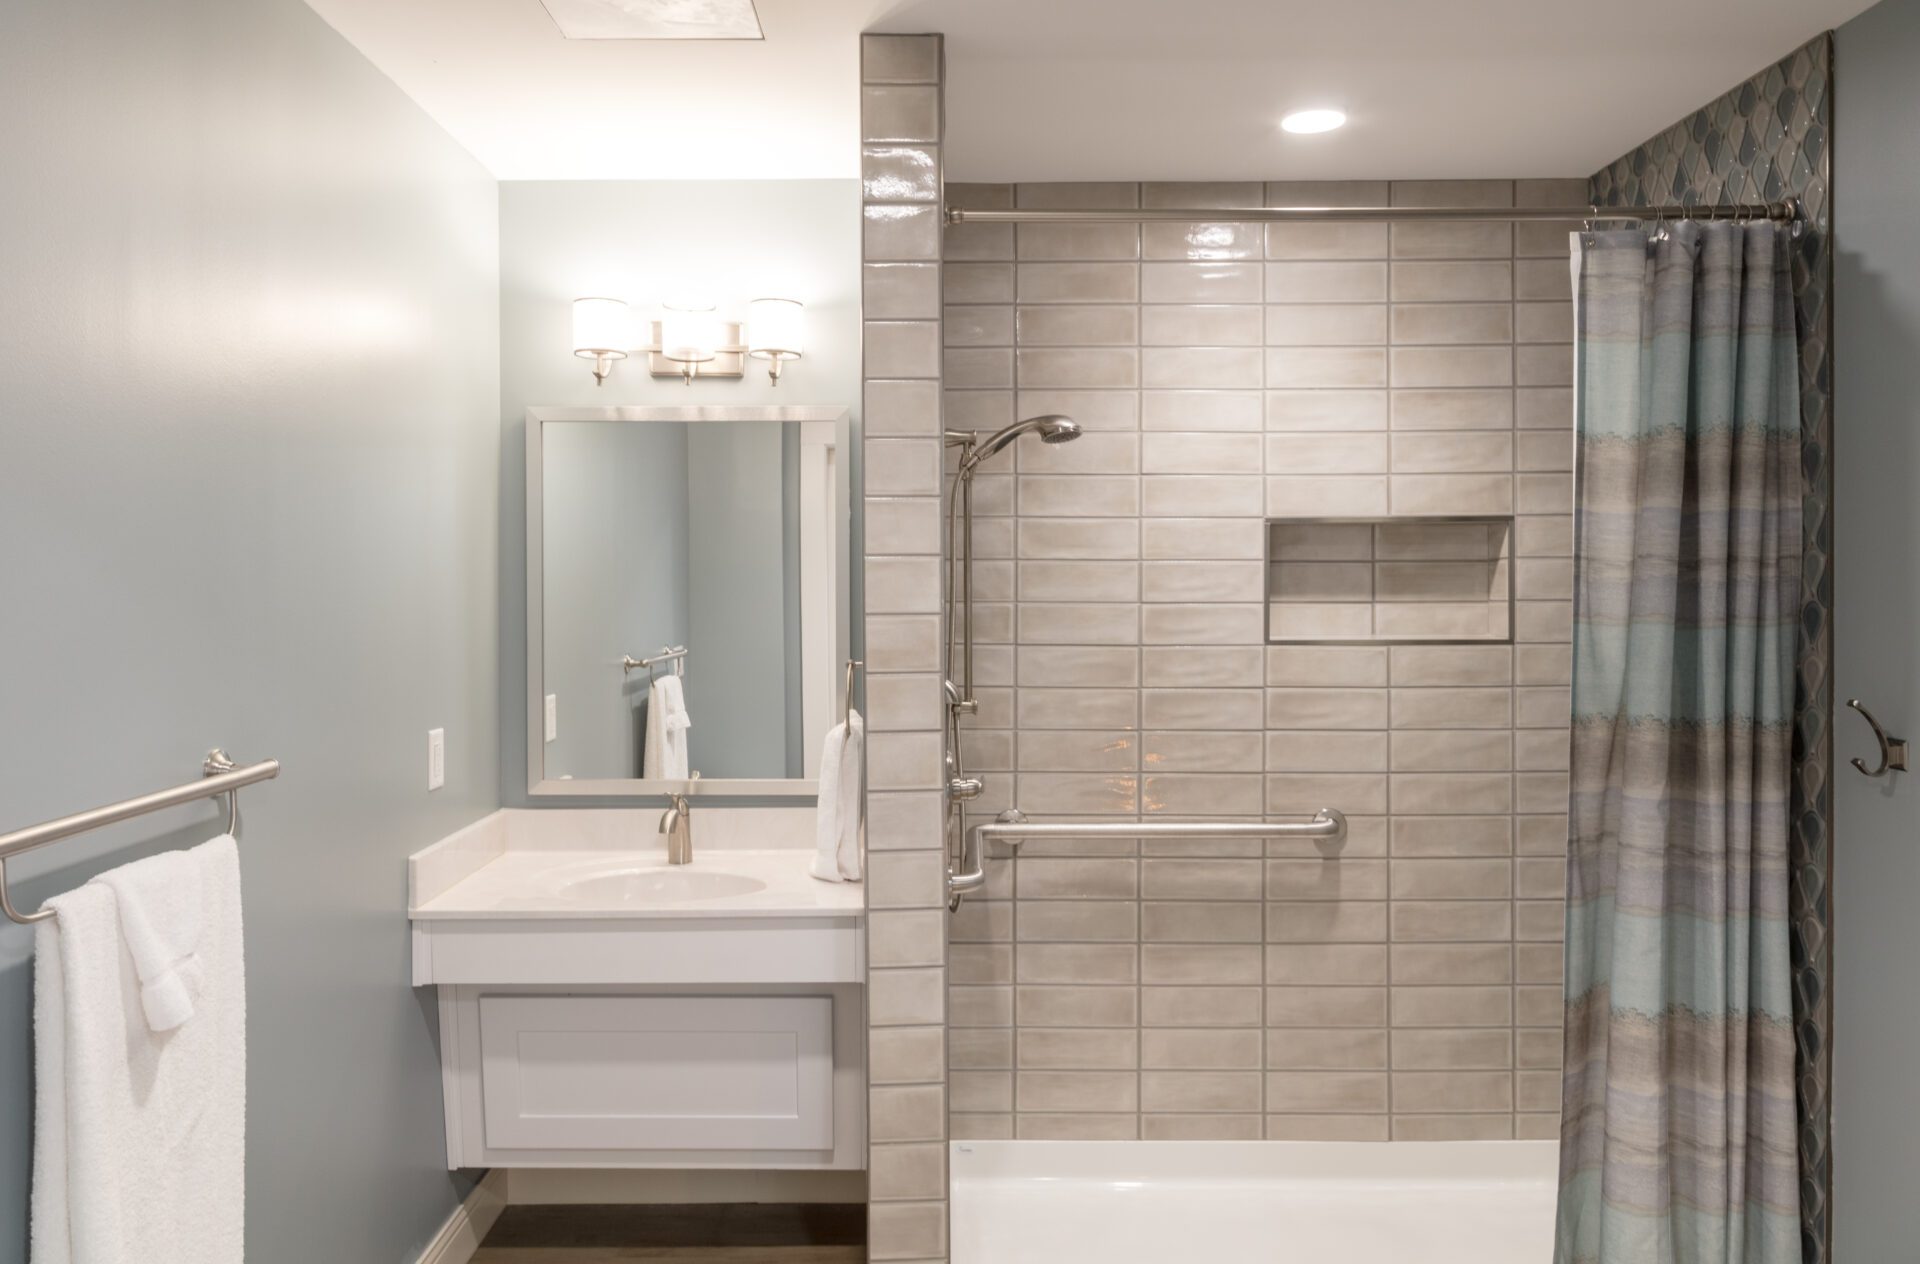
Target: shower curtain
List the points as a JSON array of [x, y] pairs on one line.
[[1677, 1126]]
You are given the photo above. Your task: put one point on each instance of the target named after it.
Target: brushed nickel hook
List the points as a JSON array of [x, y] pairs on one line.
[[1893, 750], [846, 695]]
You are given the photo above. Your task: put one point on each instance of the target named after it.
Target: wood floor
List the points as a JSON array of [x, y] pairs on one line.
[[707, 1233]]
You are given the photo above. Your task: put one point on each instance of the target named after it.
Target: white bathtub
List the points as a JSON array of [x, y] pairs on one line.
[[1253, 1202]]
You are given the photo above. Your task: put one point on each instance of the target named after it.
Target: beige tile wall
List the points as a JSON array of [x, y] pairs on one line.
[[906, 917], [1408, 986]]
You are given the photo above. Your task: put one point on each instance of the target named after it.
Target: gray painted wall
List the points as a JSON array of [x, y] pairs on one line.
[[1876, 203], [615, 572], [248, 496], [647, 240]]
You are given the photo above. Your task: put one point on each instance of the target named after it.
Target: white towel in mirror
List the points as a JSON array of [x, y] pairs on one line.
[[667, 725]]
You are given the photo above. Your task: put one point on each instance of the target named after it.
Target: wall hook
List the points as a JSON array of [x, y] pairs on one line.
[[1893, 750]]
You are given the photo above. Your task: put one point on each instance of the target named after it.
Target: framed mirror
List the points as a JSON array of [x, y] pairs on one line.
[[686, 598]]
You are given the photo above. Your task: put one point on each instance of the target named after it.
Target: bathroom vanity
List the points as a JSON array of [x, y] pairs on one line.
[[601, 1008]]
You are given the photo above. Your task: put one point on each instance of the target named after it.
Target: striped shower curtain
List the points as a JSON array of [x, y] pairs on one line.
[[1677, 1130]]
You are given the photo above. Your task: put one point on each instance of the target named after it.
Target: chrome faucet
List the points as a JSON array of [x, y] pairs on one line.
[[677, 824]]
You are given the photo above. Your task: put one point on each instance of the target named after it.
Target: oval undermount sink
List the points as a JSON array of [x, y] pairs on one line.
[[640, 886]]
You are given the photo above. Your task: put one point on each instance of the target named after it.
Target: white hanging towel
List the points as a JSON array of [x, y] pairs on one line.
[[837, 818], [140, 1063], [667, 725]]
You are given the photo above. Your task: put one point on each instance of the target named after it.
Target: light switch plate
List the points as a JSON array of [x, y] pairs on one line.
[[553, 716], [436, 758]]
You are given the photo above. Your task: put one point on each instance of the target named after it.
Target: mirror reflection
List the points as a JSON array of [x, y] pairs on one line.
[[691, 592]]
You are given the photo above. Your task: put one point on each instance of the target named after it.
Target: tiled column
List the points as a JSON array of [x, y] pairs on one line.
[[900, 124]]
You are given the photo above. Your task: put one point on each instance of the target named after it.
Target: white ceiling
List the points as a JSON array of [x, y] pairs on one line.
[[1089, 89]]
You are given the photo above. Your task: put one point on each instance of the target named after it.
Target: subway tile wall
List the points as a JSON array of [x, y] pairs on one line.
[[1408, 985], [901, 104]]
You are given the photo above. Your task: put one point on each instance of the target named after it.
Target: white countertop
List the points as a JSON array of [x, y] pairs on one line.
[[610, 864]]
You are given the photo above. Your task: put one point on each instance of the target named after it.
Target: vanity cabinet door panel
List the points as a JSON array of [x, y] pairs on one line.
[[657, 1072]]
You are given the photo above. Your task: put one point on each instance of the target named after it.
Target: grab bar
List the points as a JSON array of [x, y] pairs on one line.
[[1013, 827]]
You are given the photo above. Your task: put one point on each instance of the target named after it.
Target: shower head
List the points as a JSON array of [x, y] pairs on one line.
[[1051, 427], [1054, 428]]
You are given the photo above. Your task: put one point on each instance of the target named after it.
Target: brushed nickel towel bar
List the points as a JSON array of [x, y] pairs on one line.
[[1013, 827], [1787, 211], [674, 654], [219, 776]]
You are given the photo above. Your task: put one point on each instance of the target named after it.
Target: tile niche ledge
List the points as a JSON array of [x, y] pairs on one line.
[[1402, 580]]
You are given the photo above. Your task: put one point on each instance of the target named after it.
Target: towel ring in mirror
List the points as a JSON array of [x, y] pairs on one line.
[[1893, 750]]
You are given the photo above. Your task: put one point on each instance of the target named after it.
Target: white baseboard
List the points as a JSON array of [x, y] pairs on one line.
[[467, 1227]]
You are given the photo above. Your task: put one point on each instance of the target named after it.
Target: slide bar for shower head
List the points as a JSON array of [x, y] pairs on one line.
[[1787, 211]]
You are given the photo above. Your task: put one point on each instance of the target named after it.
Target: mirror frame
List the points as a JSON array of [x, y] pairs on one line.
[[539, 785]]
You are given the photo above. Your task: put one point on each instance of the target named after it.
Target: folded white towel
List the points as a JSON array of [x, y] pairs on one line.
[[140, 1134], [161, 920], [667, 725], [841, 803]]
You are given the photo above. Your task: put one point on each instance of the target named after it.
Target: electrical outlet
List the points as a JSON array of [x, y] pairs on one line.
[[436, 758], [553, 716]]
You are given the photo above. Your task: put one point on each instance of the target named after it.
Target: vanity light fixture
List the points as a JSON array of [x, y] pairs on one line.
[[601, 333], [690, 339], [1308, 122], [776, 332], [689, 336]]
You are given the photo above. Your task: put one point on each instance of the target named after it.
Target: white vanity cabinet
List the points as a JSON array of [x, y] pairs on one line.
[[757, 1076], [574, 1072], [599, 1008]]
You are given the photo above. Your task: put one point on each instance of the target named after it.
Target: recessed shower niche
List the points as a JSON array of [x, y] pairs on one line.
[[1395, 580]]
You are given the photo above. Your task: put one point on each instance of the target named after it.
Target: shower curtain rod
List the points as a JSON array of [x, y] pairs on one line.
[[1787, 211]]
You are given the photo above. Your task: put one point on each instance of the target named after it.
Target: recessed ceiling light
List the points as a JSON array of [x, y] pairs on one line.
[[655, 19], [1306, 122]]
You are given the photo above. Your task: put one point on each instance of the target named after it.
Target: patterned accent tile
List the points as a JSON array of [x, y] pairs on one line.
[[1766, 139]]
